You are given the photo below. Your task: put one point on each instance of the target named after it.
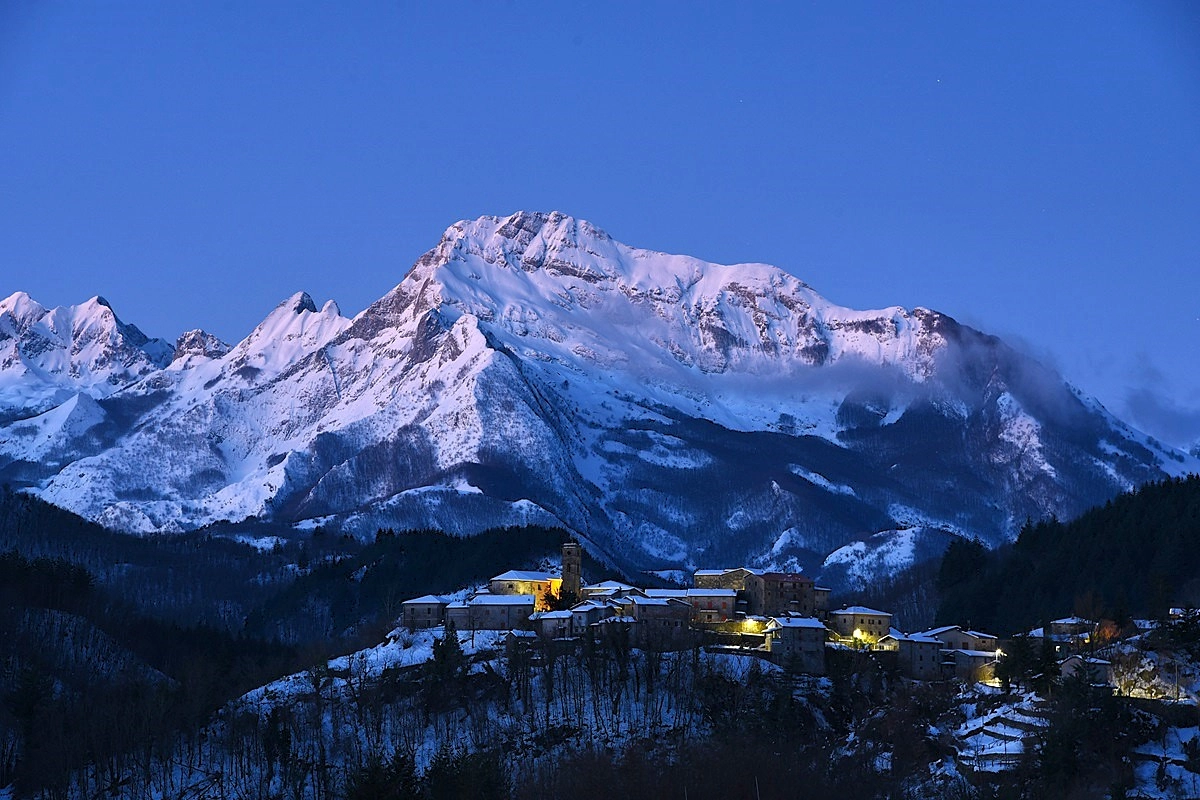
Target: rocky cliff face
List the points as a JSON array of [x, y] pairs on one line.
[[532, 369]]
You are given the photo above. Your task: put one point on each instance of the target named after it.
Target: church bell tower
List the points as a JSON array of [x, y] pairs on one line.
[[572, 565]]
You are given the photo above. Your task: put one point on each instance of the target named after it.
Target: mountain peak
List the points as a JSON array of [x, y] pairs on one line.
[[200, 343], [22, 308], [299, 302]]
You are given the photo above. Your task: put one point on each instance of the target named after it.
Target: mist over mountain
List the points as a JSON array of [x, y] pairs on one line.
[[530, 369]]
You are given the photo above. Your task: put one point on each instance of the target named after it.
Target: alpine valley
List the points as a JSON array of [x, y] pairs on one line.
[[531, 370]]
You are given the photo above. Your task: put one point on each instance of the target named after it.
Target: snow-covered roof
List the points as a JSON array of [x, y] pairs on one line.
[[666, 592], [981, 634], [588, 605], [610, 585], [523, 634], [637, 600], [708, 573], [1100, 662], [861, 610], [524, 575], [976, 653], [796, 622], [1071, 621], [552, 615], [943, 629], [920, 638], [427, 599], [502, 600]]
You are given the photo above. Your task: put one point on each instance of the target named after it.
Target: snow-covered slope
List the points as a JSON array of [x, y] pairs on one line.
[[532, 369]]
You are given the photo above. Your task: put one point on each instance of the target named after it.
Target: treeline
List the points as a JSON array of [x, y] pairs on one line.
[[351, 597], [1134, 556], [189, 577]]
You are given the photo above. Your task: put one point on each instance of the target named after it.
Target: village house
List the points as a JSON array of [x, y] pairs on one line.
[[918, 655], [1099, 671], [953, 637], [491, 612], [860, 625], [1070, 626], [1067, 635], [730, 578], [797, 643], [659, 621], [588, 613], [712, 605], [773, 593], [552, 624], [760, 592], [664, 611], [423, 612], [966, 654], [971, 665]]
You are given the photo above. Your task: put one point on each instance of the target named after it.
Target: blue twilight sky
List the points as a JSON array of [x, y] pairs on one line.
[[1031, 169]]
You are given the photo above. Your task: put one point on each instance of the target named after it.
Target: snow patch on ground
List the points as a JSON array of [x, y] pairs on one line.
[[818, 479]]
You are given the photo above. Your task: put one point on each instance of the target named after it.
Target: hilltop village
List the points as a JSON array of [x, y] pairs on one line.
[[783, 617]]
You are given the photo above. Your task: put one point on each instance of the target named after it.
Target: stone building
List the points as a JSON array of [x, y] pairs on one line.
[[772, 593], [572, 570], [423, 612], [797, 643], [918, 656], [860, 624]]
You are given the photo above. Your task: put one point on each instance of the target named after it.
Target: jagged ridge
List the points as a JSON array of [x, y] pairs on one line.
[[531, 368]]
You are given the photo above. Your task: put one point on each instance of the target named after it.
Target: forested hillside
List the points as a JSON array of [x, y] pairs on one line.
[[1134, 556], [112, 644]]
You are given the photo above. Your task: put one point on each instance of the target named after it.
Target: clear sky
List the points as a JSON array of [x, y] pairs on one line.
[[1032, 170]]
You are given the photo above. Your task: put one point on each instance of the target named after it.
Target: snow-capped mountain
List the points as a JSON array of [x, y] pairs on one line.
[[532, 369], [46, 356]]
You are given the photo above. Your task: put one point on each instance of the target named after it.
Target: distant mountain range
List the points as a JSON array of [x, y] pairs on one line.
[[529, 368]]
